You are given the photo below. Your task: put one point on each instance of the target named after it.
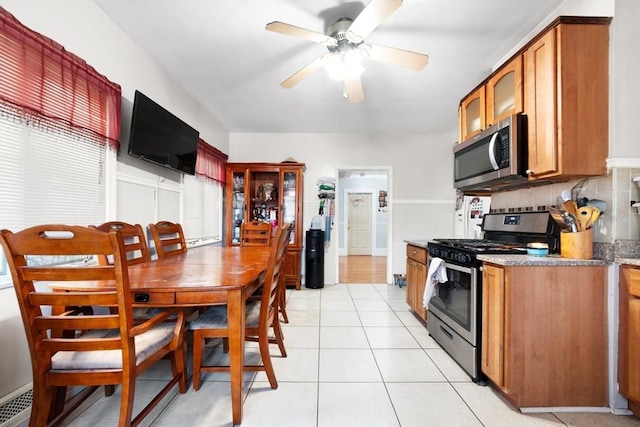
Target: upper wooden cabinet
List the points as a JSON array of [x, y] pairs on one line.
[[566, 98], [269, 192], [472, 114], [504, 91], [498, 97]]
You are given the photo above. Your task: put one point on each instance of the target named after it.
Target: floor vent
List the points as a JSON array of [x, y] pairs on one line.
[[14, 407]]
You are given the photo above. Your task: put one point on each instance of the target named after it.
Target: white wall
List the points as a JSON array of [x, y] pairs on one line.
[[82, 28], [421, 196]]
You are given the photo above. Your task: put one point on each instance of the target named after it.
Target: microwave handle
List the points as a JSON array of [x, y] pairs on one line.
[[492, 152]]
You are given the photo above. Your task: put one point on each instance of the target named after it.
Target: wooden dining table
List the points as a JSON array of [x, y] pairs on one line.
[[203, 276]]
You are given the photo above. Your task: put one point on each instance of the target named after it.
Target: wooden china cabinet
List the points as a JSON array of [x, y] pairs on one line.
[[269, 192]]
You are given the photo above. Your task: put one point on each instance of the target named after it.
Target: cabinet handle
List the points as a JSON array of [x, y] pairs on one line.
[[415, 252]]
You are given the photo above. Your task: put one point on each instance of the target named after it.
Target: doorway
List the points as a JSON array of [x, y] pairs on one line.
[[363, 213]]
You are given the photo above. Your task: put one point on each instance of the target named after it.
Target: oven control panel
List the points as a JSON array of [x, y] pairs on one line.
[[453, 255]]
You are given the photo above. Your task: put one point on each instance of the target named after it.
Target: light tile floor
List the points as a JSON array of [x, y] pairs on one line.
[[356, 357]]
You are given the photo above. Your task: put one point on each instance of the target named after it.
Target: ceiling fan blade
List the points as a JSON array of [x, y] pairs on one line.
[[403, 58], [353, 88], [292, 30], [304, 72], [372, 15]]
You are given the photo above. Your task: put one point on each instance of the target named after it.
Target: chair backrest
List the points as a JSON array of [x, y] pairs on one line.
[[255, 234], [168, 238], [135, 241], [43, 330], [274, 269]]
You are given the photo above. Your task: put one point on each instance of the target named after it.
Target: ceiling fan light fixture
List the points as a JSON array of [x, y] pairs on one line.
[[341, 65]]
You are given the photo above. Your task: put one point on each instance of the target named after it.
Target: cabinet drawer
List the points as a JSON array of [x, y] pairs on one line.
[[417, 254], [634, 282]]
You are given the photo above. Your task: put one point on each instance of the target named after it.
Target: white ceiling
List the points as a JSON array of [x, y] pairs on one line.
[[220, 53]]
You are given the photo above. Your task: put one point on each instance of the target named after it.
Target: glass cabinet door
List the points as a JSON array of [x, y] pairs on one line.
[[263, 194], [504, 92], [237, 205], [472, 114], [289, 184]]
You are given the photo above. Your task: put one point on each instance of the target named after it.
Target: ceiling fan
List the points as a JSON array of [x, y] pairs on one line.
[[345, 42]]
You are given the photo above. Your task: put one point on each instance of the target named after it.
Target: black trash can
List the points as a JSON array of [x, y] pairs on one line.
[[314, 259]]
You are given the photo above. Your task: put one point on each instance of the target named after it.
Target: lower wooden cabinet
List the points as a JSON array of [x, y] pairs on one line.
[[629, 336], [544, 334], [416, 279]]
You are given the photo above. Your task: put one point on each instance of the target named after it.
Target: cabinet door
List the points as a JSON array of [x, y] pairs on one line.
[[291, 183], [493, 294], [504, 92], [236, 204], [472, 114], [540, 100], [416, 280], [633, 350]]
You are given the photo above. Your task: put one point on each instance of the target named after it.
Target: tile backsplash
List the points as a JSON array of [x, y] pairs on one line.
[[617, 189]]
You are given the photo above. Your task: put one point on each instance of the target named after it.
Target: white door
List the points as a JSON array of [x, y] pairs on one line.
[[359, 223]]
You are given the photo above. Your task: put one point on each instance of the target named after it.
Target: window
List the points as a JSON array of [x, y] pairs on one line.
[[202, 201], [48, 175]]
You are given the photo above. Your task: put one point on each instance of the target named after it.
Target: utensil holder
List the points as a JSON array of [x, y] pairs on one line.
[[577, 245]]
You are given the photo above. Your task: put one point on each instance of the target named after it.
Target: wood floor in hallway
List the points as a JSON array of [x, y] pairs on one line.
[[363, 269]]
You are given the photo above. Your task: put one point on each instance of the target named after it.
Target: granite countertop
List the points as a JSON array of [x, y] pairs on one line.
[[628, 261], [549, 260], [419, 243]]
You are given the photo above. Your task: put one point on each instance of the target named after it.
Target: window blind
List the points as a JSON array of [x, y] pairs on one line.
[[48, 175], [202, 201]]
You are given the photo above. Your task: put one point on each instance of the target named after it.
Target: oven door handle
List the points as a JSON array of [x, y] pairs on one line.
[[460, 268]]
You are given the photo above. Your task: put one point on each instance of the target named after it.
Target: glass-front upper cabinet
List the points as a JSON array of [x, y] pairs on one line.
[[504, 91], [472, 114]]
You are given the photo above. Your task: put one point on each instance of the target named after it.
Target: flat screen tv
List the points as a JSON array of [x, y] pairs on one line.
[[160, 137]]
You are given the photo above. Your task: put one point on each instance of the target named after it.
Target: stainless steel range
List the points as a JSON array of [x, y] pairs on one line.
[[454, 314]]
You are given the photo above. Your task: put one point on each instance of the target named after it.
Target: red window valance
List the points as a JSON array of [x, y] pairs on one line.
[[38, 75], [211, 162]]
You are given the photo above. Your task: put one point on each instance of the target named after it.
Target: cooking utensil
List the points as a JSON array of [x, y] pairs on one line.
[[556, 214], [594, 217], [600, 204], [576, 190], [570, 220], [570, 207], [584, 216]]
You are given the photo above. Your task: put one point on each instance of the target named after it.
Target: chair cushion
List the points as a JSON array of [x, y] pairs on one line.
[[216, 317], [146, 344]]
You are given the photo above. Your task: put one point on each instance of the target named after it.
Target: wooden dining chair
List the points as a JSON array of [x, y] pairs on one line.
[[88, 350], [168, 238], [135, 241], [255, 233], [261, 316]]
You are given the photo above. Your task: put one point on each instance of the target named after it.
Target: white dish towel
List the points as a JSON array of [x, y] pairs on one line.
[[437, 274]]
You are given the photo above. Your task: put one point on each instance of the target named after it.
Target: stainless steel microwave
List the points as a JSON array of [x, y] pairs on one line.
[[493, 159]]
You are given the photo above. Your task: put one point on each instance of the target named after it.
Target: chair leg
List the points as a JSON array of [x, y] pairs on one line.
[[198, 349], [277, 330], [178, 366], [282, 303], [263, 342], [43, 405], [126, 400]]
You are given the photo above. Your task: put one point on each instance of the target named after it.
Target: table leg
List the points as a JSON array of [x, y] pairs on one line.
[[236, 316]]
